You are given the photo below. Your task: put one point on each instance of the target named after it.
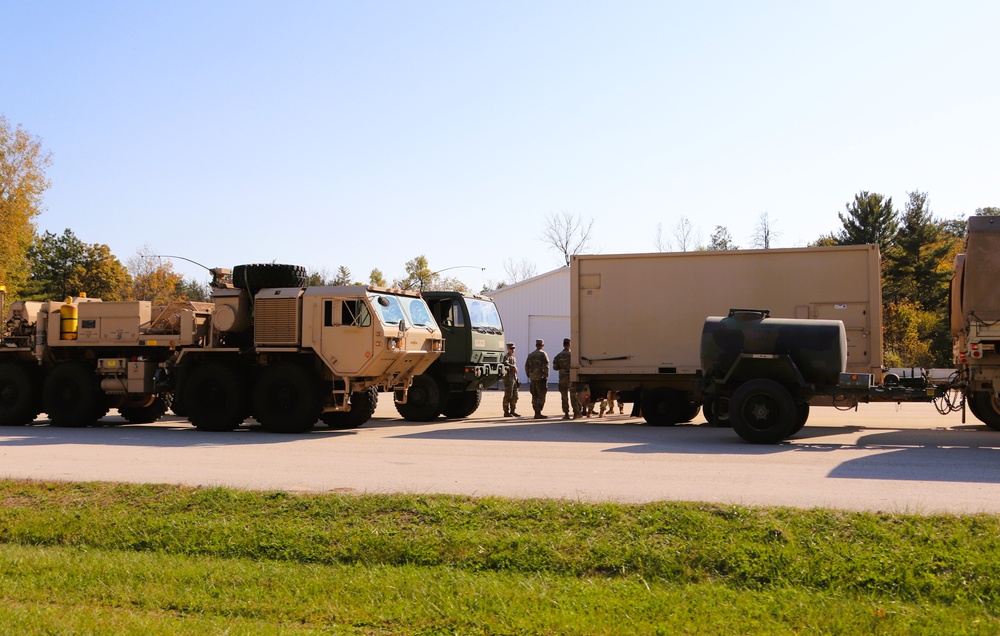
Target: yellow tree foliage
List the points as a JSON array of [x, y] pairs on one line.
[[63, 265], [152, 278], [22, 182]]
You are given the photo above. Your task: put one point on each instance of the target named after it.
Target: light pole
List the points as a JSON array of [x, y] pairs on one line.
[[180, 257], [433, 274]]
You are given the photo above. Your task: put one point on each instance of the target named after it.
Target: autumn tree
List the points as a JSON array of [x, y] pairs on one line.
[[153, 278], [376, 278], [193, 290], [567, 234], [318, 278], [419, 277], [63, 265], [23, 162]]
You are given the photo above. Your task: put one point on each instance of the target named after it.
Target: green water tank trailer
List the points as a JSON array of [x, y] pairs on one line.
[[818, 348]]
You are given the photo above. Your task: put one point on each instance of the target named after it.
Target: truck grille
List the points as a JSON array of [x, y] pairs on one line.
[[276, 322]]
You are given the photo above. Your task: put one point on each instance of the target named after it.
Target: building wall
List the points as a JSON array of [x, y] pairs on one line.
[[535, 308]]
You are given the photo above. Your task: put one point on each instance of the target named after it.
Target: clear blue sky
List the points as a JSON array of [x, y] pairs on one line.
[[366, 133]]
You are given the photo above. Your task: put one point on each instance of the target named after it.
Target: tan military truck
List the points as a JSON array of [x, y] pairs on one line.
[[975, 318], [636, 319], [266, 347]]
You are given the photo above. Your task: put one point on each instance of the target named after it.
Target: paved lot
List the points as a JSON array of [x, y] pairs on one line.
[[883, 457]]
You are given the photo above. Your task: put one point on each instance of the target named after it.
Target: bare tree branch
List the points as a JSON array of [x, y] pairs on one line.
[[685, 235], [567, 234], [658, 242], [518, 270], [764, 233]]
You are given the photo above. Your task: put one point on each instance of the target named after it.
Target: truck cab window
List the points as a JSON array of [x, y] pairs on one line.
[[454, 317], [355, 313]]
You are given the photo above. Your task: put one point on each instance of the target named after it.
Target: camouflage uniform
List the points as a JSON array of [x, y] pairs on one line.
[[561, 364], [537, 369], [510, 383]]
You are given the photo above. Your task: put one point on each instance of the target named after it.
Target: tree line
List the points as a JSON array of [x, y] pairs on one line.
[[917, 250]]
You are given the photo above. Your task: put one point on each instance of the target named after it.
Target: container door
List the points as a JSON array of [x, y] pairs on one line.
[[857, 323]]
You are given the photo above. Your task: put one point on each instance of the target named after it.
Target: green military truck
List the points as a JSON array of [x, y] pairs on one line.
[[473, 358]]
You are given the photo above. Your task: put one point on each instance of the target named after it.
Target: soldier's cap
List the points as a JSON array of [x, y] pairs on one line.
[[539, 342], [510, 345], [566, 341]]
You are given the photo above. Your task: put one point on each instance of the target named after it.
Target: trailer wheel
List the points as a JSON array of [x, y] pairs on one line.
[[363, 405], [20, 402], [286, 399], [802, 415], [985, 406], [763, 412], [716, 411], [144, 414], [462, 404], [255, 277], [214, 397], [663, 407], [71, 396], [423, 403]]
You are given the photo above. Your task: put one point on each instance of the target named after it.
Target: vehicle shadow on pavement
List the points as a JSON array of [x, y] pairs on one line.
[[963, 465], [636, 437], [166, 433], [969, 454]]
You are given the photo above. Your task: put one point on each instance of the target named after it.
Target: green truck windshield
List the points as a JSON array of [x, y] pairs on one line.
[[484, 315]]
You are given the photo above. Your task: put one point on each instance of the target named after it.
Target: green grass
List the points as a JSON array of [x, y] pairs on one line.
[[102, 558]]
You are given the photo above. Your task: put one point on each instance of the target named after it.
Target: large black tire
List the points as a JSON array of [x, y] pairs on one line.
[[72, 397], [985, 406], [144, 414], [363, 405], [763, 412], [802, 413], [286, 399], [215, 397], [663, 407], [689, 411], [20, 398], [174, 404], [256, 277], [462, 404], [423, 402]]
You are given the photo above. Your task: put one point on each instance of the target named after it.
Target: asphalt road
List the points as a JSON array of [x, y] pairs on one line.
[[883, 457]]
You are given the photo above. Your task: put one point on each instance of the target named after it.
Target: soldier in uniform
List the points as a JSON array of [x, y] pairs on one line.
[[561, 364], [510, 383], [537, 369]]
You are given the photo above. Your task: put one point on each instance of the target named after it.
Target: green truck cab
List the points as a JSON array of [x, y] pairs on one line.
[[473, 358]]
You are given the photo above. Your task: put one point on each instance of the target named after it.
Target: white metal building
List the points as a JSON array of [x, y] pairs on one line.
[[535, 308]]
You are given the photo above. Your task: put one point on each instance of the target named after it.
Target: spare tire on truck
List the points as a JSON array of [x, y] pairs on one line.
[[258, 276]]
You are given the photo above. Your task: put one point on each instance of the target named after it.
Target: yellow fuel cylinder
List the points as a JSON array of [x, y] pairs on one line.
[[69, 323]]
